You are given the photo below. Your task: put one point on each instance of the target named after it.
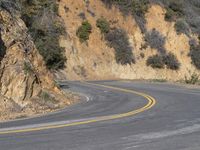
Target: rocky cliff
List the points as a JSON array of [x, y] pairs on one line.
[[26, 86]]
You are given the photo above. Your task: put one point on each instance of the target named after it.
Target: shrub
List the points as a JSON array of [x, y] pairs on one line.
[[84, 31], [118, 40], [181, 26], [195, 55], [155, 61], [103, 25], [171, 61], [156, 41], [193, 79]]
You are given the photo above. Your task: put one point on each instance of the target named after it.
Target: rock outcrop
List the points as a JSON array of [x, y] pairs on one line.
[[26, 86]]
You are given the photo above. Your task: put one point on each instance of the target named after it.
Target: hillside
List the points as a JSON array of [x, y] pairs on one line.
[[146, 39], [26, 85]]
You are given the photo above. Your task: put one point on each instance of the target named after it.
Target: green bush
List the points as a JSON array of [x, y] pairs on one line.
[[155, 61], [118, 40], [103, 25], [84, 31], [171, 61]]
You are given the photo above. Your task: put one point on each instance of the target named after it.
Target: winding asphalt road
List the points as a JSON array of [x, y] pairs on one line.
[[113, 115]]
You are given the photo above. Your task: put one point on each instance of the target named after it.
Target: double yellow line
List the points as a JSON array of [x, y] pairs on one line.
[[150, 104]]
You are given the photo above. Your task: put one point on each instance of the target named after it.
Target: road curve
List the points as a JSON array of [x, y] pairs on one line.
[[113, 115]]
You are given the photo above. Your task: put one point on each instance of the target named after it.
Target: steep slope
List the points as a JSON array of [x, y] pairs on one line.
[[26, 86], [95, 59]]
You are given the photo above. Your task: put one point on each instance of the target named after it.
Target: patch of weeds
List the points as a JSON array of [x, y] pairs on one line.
[[193, 79]]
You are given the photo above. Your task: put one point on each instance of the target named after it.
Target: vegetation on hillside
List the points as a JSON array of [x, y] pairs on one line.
[[45, 27], [83, 32], [187, 10], [103, 25], [171, 61], [137, 8], [161, 61], [194, 78], [195, 55], [156, 41], [155, 61], [181, 26], [118, 40]]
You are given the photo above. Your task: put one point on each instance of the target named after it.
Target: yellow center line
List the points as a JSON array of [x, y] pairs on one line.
[[149, 105]]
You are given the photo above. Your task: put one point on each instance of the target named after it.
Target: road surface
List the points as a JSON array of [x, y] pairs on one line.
[[113, 115]]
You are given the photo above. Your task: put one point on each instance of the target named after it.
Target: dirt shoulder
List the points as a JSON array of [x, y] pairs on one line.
[[36, 106]]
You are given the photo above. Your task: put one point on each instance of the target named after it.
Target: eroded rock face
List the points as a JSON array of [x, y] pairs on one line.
[[23, 75]]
